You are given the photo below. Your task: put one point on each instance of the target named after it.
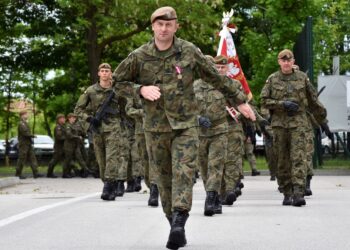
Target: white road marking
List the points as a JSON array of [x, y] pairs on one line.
[[34, 211]]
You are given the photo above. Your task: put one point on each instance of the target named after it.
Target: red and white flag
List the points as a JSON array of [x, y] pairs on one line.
[[228, 49]]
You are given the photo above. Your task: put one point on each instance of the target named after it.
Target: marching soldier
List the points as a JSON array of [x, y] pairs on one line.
[[162, 72], [72, 149], [288, 95], [108, 136], [25, 147], [213, 142], [58, 154]]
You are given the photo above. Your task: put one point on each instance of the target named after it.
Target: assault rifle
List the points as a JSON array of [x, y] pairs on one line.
[[100, 115]]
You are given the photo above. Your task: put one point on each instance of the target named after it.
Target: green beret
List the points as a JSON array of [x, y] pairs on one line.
[[221, 60], [164, 13]]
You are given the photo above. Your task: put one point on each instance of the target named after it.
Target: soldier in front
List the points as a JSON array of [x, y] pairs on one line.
[[162, 72]]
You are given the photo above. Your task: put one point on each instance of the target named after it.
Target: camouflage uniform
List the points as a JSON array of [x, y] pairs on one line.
[[134, 110], [270, 152], [249, 153], [111, 159], [58, 154], [25, 149], [171, 121], [290, 128], [93, 165], [235, 150], [82, 132], [72, 150], [213, 140]]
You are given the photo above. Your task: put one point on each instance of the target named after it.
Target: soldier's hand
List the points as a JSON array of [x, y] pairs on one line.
[[94, 122], [151, 93], [290, 106], [247, 111], [204, 122]]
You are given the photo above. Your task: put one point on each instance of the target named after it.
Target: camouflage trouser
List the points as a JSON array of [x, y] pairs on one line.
[[249, 153], [71, 154], [147, 173], [108, 155], [292, 163], [173, 158], [26, 154], [309, 140], [58, 156], [271, 157], [212, 155], [233, 164], [134, 166], [93, 165]]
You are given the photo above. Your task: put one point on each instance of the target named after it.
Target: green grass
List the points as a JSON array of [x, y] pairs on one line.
[[10, 171], [328, 163]]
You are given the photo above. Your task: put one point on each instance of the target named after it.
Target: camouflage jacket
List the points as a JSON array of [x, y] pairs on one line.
[[174, 72], [211, 104], [134, 110], [294, 87], [60, 135], [91, 100], [72, 138], [24, 135]]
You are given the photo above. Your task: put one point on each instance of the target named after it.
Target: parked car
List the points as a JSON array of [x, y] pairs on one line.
[[2, 149], [327, 144], [43, 146], [260, 144]]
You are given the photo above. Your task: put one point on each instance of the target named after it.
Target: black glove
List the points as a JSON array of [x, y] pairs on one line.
[[258, 132], [326, 130], [93, 121], [250, 133], [204, 122], [290, 106]]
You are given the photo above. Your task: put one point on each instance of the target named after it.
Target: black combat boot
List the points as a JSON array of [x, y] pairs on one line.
[[218, 205], [238, 192], [298, 200], [37, 175], [50, 173], [130, 186], [108, 191], [177, 237], [209, 204], [287, 201], [308, 191], [84, 173], [137, 184], [153, 196], [120, 188], [230, 198], [240, 184], [51, 176], [170, 219], [255, 172], [66, 176], [298, 196], [272, 178], [19, 175]]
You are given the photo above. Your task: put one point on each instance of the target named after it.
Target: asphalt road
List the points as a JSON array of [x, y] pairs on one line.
[[68, 214]]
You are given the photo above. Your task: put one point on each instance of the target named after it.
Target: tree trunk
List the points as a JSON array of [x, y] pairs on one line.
[[93, 50], [47, 125], [9, 92]]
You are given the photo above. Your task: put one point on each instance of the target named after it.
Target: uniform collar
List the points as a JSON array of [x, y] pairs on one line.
[[151, 49]]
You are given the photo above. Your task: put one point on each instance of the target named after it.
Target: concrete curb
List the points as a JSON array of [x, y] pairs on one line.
[[323, 172], [8, 181]]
